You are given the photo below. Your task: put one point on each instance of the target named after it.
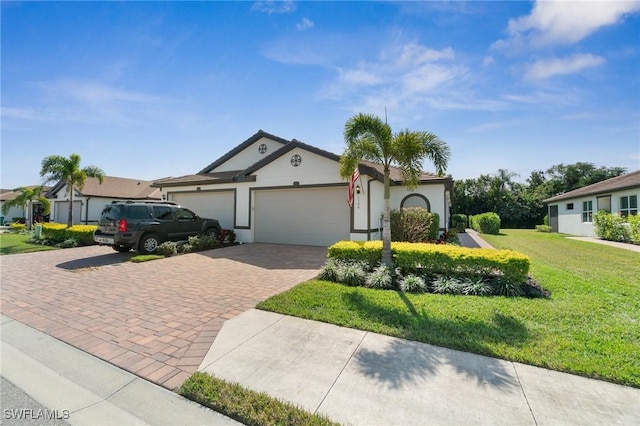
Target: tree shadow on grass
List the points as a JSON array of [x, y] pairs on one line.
[[409, 361]]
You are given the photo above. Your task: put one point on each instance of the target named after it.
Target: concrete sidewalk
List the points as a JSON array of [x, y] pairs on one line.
[[361, 378], [84, 390]]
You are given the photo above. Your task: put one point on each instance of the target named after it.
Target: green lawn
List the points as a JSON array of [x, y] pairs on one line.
[[18, 243], [589, 326]]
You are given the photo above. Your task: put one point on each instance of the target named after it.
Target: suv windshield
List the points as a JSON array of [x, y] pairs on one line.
[[111, 213]]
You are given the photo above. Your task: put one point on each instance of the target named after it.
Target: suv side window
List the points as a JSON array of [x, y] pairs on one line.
[[184, 214], [162, 213], [137, 212]]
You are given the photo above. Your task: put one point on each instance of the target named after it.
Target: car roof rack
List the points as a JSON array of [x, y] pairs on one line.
[[171, 203]]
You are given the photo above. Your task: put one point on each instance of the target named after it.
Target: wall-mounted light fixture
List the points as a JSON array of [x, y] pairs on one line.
[[357, 189]]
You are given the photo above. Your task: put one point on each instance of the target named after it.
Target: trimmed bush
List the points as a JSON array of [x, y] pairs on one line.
[[381, 277], [459, 222], [486, 223], [58, 233], [414, 225], [543, 228], [18, 227], [413, 284], [168, 249], [634, 228], [353, 274], [435, 259], [611, 227]]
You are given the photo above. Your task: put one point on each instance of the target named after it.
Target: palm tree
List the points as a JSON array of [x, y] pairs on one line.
[[68, 171], [28, 194], [369, 138]]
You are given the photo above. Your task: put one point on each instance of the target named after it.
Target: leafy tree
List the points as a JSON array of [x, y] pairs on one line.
[[67, 170], [369, 138], [25, 199]]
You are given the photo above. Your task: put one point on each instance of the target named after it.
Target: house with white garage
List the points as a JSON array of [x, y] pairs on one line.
[[572, 212], [269, 189], [89, 201]]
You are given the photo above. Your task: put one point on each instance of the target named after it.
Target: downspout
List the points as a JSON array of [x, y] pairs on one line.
[[86, 212], [369, 209]]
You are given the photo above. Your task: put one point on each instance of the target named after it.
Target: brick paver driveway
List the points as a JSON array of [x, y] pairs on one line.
[[155, 319]]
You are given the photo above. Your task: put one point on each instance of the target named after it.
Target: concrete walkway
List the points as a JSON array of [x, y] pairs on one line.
[[597, 240], [472, 239], [80, 389], [361, 378]]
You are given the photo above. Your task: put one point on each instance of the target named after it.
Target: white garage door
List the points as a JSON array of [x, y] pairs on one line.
[[212, 205], [306, 216], [62, 212]]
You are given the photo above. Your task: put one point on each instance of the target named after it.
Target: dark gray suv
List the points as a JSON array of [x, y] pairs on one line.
[[144, 225]]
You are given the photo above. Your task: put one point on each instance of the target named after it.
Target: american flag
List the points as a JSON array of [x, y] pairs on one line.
[[352, 185]]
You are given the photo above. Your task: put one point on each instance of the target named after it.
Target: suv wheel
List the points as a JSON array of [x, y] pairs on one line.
[[121, 249], [148, 243]]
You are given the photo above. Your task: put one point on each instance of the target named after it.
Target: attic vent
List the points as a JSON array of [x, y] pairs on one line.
[[262, 148]]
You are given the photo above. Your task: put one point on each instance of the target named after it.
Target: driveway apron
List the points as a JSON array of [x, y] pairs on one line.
[[155, 319]]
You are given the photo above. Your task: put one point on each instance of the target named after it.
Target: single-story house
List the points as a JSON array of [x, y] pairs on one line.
[[17, 212], [572, 212], [90, 200], [269, 189]]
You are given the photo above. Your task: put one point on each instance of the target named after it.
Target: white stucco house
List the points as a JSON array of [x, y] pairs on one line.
[[269, 189], [89, 201], [17, 212], [572, 212]]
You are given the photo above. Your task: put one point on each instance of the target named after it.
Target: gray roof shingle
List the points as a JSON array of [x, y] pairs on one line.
[[626, 181]]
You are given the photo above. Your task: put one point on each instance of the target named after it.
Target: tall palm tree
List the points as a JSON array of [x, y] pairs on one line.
[[68, 171], [369, 138], [25, 199]]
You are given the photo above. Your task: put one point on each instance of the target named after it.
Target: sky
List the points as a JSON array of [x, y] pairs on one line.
[[147, 90]]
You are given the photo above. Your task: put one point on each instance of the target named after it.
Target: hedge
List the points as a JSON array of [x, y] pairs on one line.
[[58, 232], [414, 225], [486, 223], [438, 259], [459, 222]]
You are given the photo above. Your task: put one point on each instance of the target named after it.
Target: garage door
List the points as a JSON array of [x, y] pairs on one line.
[[212, 205], [306, 216], [62, 212]]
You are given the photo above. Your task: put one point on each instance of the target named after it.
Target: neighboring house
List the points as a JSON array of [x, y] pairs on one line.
[[269, 189], [18, 212], [89, 202], [572, 212]]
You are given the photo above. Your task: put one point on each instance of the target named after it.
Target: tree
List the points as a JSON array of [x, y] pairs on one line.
[[25, 200], [68, 171], [369, 138]]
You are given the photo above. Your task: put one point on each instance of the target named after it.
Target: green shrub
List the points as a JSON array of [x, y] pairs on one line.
[[452, 260], [486, 223], [58, 233], [381, 277], [168, 249], [352, 274], [68, 243], [477, 287], [202, 242], [447, 285], [331, 270], [543, 228], [357, 251], [414, 225], [610, 227], [459, 222], [634, 228], [18, 227], [413, 284], [507, 288]]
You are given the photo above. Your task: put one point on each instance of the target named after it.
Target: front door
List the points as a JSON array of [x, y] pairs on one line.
[[553, 218]]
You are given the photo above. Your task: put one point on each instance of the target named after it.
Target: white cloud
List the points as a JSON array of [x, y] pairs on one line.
[[305, 24], [564, 22], [270, 7], [96, 93], [488, 60], [547, 68]]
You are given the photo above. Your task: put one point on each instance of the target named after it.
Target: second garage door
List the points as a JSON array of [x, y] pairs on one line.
[[211, 205], [306, 216]]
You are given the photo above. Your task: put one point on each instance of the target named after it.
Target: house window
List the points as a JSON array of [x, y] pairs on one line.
[[415, 200], [587, 211], [569, 206], [628, 205]]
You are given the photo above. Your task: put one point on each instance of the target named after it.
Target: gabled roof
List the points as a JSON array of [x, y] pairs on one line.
[[11, 194], [256, 137], [114, 187], [618, 183], [199, 179], [376, 171]]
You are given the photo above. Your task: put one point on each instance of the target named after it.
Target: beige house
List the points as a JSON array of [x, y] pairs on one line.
[[90, 200], [269, 189]]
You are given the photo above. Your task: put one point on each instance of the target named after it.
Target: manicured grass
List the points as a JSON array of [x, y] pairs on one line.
[[145, 258], [589, 326], [11, 243], [244, 405]]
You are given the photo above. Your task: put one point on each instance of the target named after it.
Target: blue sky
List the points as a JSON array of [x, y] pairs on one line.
[[153, 89]]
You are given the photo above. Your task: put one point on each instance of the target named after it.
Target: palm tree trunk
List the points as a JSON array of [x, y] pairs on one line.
[[70, 219], [387, 259]]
